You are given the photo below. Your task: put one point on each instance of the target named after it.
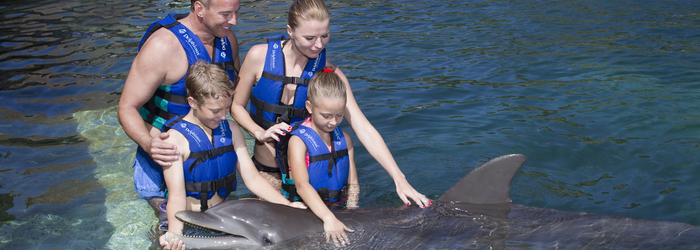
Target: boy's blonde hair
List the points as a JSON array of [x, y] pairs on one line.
[[326, 85], [307, 10], [206, 80]]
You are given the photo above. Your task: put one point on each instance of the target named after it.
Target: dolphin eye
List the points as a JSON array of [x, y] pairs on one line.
[[267, 241]]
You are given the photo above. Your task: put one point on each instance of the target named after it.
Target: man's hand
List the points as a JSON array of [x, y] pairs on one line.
[[162, 153]]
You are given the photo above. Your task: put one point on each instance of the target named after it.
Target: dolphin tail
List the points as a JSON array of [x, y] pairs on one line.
[[487, 184]]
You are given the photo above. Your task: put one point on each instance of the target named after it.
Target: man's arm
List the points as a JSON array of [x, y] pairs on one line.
[[154, 65]]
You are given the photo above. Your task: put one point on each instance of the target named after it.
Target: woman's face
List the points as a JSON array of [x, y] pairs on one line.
[[310, 37]]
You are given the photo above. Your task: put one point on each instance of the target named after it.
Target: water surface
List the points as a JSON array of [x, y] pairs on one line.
[[600, 96]]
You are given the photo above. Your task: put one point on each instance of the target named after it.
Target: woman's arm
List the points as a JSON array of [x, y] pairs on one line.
[[372, 140], [353, 183], [250, 73], [251, 177], [333, 227]]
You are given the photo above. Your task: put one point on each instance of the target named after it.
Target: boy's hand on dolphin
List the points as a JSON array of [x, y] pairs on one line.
[[273, 133], [170, 242], [335, 230], [162, 153], [406, 191], [297, 204]]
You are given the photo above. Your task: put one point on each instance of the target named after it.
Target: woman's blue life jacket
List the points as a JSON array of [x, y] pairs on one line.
[[266, 107], [171, 100], [211, 166], [328, 170]]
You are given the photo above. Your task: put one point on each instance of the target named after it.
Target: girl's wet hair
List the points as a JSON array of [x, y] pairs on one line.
[[205, 80], [326, 85], [307, 10]]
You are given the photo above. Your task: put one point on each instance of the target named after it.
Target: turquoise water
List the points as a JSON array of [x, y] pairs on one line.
[[601, 96]]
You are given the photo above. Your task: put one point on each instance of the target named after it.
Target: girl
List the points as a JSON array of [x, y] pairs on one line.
[[321, 156], [210, 149], [281, 68]]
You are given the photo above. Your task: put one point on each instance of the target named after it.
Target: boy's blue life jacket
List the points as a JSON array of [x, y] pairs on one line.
[[211, 166], [266, 108], [328, 170], [171, 100]]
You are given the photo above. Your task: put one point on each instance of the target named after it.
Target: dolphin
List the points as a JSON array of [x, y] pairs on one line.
[[475, 213]]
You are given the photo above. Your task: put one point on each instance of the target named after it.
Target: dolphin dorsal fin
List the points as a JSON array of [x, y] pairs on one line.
[[487, 184]]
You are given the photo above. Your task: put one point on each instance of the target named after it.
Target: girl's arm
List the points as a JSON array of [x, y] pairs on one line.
[[251, 177], [372, 140], [250, 71], [353, 182], [333, 227]]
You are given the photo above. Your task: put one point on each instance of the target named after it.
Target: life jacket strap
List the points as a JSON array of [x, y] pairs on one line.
[[203, 187], [326, 195], [227, 65], [291, 190], [204, 155], [286, 79], [284, 112], [172, 123], [154, 111], [330, 157]]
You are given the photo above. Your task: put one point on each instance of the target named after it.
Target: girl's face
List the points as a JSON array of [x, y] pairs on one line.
[[310, 37], [212, 111], [327, 113]]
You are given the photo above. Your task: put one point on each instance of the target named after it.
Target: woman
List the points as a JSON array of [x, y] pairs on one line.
[[281, 68]]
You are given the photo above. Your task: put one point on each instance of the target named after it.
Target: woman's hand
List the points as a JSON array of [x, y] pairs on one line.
[[405, 191], [173, 244], [335, 230], [273, 133]]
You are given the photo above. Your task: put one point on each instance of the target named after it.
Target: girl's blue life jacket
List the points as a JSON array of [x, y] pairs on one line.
[[328, 170]]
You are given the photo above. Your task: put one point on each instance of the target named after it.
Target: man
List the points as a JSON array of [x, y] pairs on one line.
[[154, 89]]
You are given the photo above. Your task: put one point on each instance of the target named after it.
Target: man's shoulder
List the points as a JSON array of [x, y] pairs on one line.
[[161, 39]]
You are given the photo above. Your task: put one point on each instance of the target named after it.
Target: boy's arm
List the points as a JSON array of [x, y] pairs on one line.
[[251, 177], [353, 183], [175, 181]]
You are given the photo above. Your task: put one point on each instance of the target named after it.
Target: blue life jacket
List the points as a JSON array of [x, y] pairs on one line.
[[266, 108], [171, 100], [328, 170], [211, 166]]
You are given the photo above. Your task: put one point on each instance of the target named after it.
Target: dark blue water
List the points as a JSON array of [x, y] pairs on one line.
[[601, 96]]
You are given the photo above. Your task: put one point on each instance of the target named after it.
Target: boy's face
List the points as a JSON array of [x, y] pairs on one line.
[[213, 111]]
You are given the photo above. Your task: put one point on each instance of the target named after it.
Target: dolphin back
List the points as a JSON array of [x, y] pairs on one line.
[[487, 184]]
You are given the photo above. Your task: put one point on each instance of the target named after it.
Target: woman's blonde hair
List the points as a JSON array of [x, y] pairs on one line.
[[206, 80], [307, 10], [326, 85]]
